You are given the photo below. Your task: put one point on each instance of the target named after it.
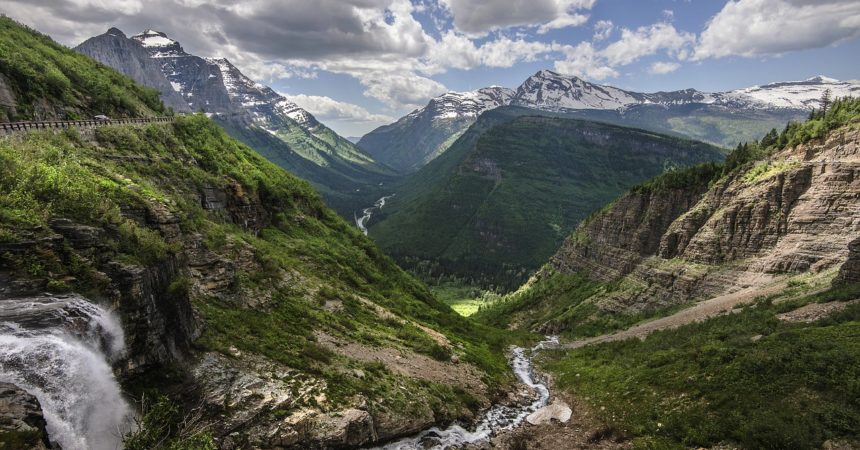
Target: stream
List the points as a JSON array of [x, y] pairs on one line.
[[361, 221], [59, 349], [498, 418]]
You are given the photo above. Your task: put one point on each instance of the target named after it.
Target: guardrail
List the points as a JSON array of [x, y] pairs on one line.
[[19, 127]]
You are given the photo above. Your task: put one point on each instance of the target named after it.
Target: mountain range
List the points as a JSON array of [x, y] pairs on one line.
[[499, 202], [163, 285], [723, 118], [275, 126]]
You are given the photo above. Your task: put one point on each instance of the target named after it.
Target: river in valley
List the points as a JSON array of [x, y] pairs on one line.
[[60, 349], [361, 221], [496, 419]]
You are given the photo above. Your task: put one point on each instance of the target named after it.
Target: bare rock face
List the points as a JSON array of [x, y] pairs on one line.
[[613, 244], [797, 212], [850, 270], [22, 425], [128, 56]]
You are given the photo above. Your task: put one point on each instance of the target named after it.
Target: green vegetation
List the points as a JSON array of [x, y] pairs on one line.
[[839, 113], [315, 272], [412, 141], [50, 81], [691, 177], [500, 201], [14, 439], [746, 378], [164, 426], [347, 179], [466, 300]]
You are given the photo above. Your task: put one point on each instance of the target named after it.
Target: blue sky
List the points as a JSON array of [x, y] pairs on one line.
[[357, 64]]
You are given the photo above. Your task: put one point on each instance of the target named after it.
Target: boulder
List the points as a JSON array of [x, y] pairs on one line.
[[556, 411], [22, 424]]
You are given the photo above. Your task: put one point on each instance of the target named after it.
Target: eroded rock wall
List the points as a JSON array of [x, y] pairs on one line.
[[797, 212]]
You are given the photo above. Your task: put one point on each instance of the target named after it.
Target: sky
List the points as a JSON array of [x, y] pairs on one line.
[[359, 64]]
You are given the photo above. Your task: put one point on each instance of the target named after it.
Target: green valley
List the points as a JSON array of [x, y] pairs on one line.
[[499, 202]]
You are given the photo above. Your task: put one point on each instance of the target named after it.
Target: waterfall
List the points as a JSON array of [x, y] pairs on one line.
[[59, 349]]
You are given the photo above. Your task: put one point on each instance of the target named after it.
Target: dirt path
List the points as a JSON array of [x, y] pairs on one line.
[[762, 285]]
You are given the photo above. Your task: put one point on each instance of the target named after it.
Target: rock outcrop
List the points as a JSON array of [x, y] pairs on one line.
[[556, 411], [22, 425], [796, 212], [850, 270], [114, 49]]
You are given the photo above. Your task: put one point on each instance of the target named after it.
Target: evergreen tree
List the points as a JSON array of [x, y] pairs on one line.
[[824, 102]]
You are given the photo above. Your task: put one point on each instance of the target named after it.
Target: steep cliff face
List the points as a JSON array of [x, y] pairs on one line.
[[795, 212], [114, 49]]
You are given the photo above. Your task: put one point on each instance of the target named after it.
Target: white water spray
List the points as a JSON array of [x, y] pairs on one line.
[[58, 348], [498, 418]]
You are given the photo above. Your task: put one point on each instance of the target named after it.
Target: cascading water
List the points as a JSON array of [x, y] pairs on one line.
[[59, 348], [366, 213], [498, 418]]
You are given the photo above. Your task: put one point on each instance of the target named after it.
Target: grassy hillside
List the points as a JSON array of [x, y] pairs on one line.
[[49, 81], [302, 261], [346, 183], [413, 141], [165, 219], [501, 199], [747, 379], [771, 374]]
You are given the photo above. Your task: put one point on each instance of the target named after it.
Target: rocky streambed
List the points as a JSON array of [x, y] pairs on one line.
[[501, 417]]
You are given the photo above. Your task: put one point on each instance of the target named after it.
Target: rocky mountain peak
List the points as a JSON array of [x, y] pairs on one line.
[[114, 31], [453, 105], [156, 40], [131, 57], [553, 91]]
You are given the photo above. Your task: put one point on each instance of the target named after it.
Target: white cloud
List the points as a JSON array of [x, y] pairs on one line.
[[478, 17], [645, 41], [602, 30], [770, 27], [660, 38], [400, 90], [660, 68], [584, 61], [563, 21], [327, 108]]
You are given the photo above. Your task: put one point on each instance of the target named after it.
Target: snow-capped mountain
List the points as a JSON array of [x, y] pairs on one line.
[[548, 90], [131, 58], [265, 120], [552, 91], [425, 133], [796, 94], [454, 105], [218, 87]]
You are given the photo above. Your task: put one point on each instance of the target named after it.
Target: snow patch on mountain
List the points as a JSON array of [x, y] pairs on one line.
[[552, 91], [159, 45], [454, 105], [798, 94]]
